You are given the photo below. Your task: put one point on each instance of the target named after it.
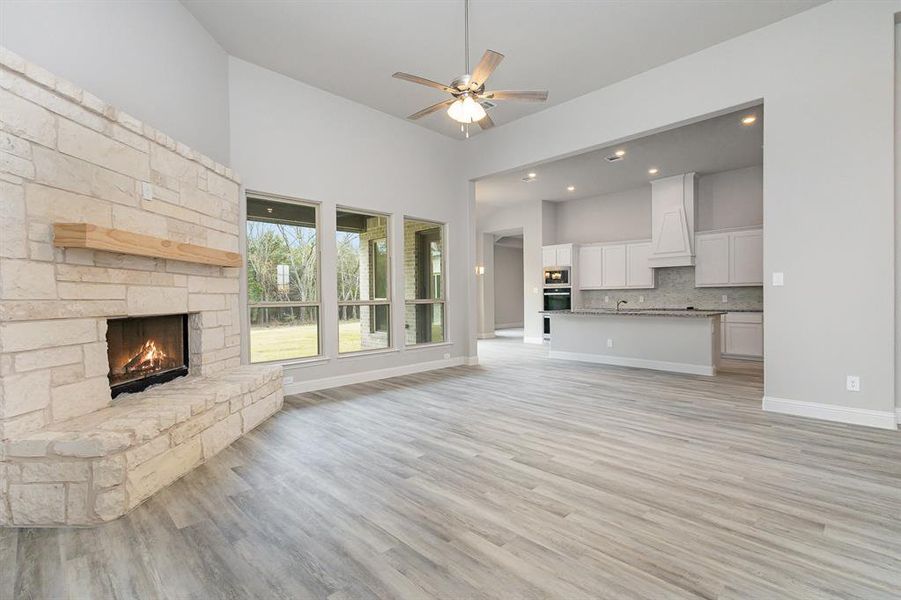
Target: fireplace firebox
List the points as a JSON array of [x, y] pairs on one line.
[[144, 351]]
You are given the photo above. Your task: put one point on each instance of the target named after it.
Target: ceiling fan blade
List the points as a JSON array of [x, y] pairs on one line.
[[522, 95], [431, 109], [490, 61], [486, 123], [424, 81]]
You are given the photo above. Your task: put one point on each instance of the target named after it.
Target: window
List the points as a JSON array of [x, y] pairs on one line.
[[364, 282], [282, 279], [424, 309]]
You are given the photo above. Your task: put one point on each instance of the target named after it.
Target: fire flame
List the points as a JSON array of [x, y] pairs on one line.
[[148, 358]]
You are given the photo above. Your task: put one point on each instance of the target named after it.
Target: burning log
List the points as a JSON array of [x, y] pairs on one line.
[[148, 358]]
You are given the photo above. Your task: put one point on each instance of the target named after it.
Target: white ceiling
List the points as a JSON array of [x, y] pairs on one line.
[[718, 144], [570, 47]]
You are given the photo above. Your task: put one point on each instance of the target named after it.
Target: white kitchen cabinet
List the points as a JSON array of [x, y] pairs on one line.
[[712, 259], [639, 273], [746, 258], [590, 267], [743, 334], [549, 256], [559, 255], [615, 266], [729, 258], [614, 275]]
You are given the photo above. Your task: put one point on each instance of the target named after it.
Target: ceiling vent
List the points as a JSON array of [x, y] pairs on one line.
[[613, 158], [528, 179], [487, 104]]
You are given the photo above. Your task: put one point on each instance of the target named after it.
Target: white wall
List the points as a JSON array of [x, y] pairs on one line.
[[150, 58], [508, 285], [609, 218], [825, 76], [730, 199], [295, 140]]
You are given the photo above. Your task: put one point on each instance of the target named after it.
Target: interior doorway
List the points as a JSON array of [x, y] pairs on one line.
[[508, 284]]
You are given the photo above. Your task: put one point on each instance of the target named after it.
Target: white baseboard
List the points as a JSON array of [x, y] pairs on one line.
[[471, 361], [641, 363], [508, 325], [324, 383], [533, 340], [898, 414], [831, 412], [486, 336]]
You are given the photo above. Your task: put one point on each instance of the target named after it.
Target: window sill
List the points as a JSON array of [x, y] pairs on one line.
[[362, 353], [299, 362], [427, 346]]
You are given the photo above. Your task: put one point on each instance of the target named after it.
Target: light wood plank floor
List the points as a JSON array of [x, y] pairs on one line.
[[521, 478]]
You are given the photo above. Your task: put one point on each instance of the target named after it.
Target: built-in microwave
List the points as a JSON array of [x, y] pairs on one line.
[[558, 276]]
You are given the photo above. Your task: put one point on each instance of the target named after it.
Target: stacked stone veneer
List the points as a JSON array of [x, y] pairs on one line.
[[69, 454]]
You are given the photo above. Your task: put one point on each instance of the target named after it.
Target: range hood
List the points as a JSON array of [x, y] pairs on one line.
[[673, 215]]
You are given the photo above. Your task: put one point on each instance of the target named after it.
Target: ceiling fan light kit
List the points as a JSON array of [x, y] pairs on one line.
[[469, 97]]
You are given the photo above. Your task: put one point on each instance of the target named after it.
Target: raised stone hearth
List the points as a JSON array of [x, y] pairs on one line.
[[99, 466], [70, 454]]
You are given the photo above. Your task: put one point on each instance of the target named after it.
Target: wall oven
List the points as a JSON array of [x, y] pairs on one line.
[[556, 276], [555, 298]]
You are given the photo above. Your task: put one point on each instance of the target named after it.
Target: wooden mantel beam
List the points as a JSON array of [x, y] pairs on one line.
[[94, 237]]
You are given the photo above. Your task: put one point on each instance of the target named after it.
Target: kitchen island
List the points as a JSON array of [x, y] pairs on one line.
[[681, 341]]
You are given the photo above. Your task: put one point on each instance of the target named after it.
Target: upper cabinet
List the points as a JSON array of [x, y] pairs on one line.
[[729, 258], [615, 266], [746, 258], [639, 273], [559, 255], [591, 271]]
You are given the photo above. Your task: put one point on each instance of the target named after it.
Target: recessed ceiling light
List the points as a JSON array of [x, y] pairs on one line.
[[269, 210], [653, 171], [532, 175], [749, 120], [620, 152], [571, 188]]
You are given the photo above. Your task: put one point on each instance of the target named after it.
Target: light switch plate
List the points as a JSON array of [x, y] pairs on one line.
[[641, 298], [146, 191], [725, 298], [778, 279], [606, 298], [609, 342]]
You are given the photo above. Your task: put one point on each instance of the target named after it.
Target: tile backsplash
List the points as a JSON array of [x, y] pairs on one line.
[[676, 289]]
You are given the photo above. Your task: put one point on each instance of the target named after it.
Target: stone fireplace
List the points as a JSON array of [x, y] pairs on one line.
[[146, 298], [145, 351]]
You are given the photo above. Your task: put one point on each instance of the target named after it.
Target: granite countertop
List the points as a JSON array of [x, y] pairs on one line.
[[647, 312]]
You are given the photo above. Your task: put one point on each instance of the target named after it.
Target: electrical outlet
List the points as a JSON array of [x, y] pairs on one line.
[[146, 191], [853, 383], [641, 298], [447, 355], [609, 342], [287, 380], [534, 290], [778, 279], [725, 298], [606, 298]]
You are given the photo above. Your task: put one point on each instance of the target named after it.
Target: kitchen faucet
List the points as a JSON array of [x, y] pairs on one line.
[[621, 302]]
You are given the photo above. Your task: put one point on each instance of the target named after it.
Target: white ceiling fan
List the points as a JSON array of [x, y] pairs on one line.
[[468, 90]]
